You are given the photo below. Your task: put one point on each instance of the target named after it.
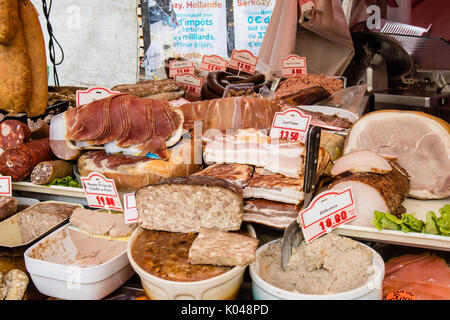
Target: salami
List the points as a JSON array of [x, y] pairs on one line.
[[13, 133], [45, 172], [18, 162]]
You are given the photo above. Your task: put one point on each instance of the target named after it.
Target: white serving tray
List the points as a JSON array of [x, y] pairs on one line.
[[412, 239], [56, 190]]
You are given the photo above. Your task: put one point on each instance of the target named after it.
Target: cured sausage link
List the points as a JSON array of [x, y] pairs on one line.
[[19, 162]]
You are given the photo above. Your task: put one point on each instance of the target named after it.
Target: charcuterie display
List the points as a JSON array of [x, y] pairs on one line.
[[308, 162]]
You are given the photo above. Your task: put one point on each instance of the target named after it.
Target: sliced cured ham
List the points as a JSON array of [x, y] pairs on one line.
[[231, 113], [426, 276], [276, 187], [372, 191], [252, 147], [238, 174], [361, 161], [420, 142], [270, 213]]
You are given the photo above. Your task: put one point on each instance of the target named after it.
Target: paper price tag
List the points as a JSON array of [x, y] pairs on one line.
[[293, 65], [101, 192], [192, 83], [92, 94], [178, 103], [5, 186], [213, 63], [243, 60], [291, 125], [327, 211], [177, 67], [130, 210]]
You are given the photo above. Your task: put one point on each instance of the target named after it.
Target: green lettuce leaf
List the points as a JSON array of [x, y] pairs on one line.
[[431, 226], [444, 221], [413, 223], [66, 182]]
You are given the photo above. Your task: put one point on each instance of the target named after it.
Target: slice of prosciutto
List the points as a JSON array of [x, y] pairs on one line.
[[420, 142], [372, 191], [361, 161]]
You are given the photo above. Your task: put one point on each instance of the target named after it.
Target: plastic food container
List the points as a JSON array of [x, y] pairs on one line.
[[74, 283], [372, 290], [223, 287]]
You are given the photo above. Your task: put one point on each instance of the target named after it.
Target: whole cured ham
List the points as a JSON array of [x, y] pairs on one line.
[[231, 113], [420, 142], [121, 123]]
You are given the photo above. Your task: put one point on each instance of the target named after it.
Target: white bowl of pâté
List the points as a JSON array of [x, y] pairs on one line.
[[160, 259]]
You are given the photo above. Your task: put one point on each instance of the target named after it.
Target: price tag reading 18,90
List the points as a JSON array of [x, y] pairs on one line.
[[177, 67], [243, 60], [192, 83], [213, 63], [327, 211], [291, 125], [130, 210], [5, 186], [293, 65], [101, 192]]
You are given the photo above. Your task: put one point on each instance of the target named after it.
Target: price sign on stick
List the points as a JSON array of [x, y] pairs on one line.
[[293, 65], [243, 60], [327, 211], [213, 63], [192, 83], [5, 186], [178, 67], [91, 94], [101, 192], [130, 210], [291, 125]]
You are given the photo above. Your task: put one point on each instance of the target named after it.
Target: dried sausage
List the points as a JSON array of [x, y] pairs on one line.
[[46, 171], [13, 133]]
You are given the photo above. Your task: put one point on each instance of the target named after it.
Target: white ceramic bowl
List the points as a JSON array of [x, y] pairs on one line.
[[372, 290], [223, 287], [72, 283]]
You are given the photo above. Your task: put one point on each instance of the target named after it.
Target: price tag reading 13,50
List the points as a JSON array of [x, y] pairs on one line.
[[291, 125], [101, 192], [327, 211]]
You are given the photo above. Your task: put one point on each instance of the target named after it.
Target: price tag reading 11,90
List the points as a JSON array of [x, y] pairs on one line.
[[327, 211], [101, 192], [291, 125]]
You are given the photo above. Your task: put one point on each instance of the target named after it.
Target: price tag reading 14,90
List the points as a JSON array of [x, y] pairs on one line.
[[327, 211], [101, 192]]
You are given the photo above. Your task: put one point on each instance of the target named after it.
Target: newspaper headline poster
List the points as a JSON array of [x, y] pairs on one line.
[[193, 28], [251, 21]]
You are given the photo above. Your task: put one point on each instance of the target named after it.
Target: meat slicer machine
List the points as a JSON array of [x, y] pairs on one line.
[[404, 72]]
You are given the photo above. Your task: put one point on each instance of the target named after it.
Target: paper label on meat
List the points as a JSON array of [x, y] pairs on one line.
[[130, 210], [5, 186], [177, 67], [243, 60], [291, 125], [293, 65], [192, 83], [327, 211], [178, 103], [213, 63], [101, 192], [92, 94]]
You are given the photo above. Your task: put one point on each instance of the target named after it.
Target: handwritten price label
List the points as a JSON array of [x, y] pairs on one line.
[[192, 83], [178, 103], [130, 210], [101, 192], [180, 67], [213, 63], [293, 65], [327, 211], [243, 60], [5, 186], [91, 94], [291, 125]]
